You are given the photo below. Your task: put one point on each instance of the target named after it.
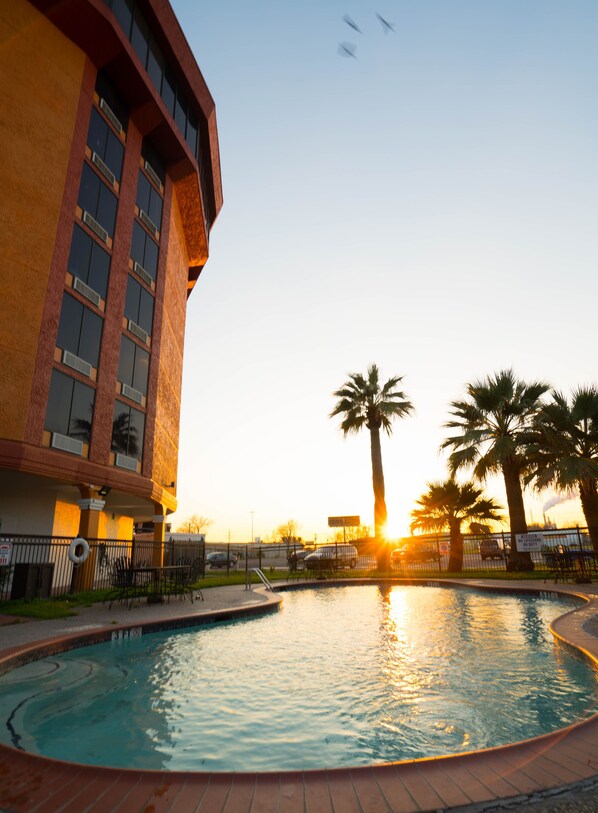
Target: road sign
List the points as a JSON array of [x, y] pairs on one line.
[[5, 553], [343, 522]]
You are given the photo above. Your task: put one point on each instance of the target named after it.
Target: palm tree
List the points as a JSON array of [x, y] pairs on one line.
[[563, 450], [492, 425], [447, 505], [364, 402]]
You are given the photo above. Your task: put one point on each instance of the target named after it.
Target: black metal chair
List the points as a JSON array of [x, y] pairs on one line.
[[122, 582], [561, 563], [184, 581]]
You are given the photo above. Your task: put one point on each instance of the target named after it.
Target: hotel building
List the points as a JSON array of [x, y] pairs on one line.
[[110, 185]]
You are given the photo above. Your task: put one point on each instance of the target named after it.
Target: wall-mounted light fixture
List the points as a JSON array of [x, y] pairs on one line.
[[169, 485], [104, 491]]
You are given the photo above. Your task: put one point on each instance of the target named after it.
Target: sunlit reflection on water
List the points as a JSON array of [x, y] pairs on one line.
[[341, 676]]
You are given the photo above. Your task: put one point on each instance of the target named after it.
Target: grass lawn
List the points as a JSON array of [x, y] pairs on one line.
[[68, 605]]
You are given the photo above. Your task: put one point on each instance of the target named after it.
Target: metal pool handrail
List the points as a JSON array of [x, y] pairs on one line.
[[261, 577]]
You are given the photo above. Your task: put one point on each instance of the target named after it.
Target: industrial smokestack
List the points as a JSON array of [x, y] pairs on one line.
[[557, 500]]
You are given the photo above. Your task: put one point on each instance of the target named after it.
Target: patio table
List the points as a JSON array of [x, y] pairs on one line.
[[161, 576]]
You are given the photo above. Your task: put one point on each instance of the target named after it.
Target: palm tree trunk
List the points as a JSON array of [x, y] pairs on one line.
[[517, 561], [455, 562], [380, 515], [588, 495]]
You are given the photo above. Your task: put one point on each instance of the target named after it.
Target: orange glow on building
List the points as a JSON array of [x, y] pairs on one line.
[[111, 184]]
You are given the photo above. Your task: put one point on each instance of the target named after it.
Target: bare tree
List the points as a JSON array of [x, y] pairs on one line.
[[288, 532], [351, 534], [195, 524]]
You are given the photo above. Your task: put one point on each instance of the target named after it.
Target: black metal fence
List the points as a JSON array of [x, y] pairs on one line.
[[487, 552], [33, 566]]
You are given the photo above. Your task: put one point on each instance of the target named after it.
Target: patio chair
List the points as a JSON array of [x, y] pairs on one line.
[[561, 563], [122, 582], [183, 581]]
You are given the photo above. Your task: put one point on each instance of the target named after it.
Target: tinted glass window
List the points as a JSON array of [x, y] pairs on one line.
[[80, 254], [79, 330], [141, 371], [58, 411], [126, 361], [140, 36], [151, 255], [123, 11], [108, 92], [192, 132], [81, 412], [137, 427], [180, 112], [150, 200], [89, 262], [113, 156], [70, 407], [152, 156], [143, 193], [96, 198], [144, 251], [69, 327], [139, 305], [97, 134], [99, 269], [168, 89], [146, 311], [155, 64], [105, 143], [91, 337], [133, 365], [127, 430]]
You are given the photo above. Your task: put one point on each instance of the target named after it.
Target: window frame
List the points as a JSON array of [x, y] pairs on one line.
[[86, 328], [101, 191], [140, 417], [77, 390]]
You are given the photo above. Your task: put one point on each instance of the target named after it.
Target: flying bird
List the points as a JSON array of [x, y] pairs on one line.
[[386, 26], [351, 23], [347, 49]]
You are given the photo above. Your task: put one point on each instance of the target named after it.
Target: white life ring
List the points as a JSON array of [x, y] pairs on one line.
[[78, 559]]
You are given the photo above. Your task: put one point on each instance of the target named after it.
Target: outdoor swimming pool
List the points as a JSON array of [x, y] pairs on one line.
[[340, 677]]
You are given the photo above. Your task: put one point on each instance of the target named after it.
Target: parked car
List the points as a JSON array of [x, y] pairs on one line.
[[411, 552], [491, 549], [221, 559], [330, 557], [297, 556]]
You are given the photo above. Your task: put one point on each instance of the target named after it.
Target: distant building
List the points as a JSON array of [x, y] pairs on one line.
[[110, 185]]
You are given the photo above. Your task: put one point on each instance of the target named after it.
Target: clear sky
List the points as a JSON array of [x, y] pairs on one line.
[[429, 205]]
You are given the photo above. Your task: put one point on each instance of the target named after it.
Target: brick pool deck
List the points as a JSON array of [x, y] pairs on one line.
[[511, 774]]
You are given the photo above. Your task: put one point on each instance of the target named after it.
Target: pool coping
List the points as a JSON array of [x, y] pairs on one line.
[[534, 767]]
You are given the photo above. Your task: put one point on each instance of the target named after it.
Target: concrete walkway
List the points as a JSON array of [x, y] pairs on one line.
[[555, 772]]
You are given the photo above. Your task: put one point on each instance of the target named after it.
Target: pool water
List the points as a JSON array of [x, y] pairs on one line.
[[340, 677]]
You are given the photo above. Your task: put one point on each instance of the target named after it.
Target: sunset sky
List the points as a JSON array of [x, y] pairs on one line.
[[429, 205]]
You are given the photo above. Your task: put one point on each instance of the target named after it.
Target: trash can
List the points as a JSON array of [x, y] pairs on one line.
[[32, 580]]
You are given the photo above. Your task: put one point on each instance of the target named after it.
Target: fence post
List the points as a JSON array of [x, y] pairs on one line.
[[247, 585], [582, 562], [439, 560]]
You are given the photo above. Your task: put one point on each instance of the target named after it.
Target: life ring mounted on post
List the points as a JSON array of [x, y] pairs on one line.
[[78, 558]]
